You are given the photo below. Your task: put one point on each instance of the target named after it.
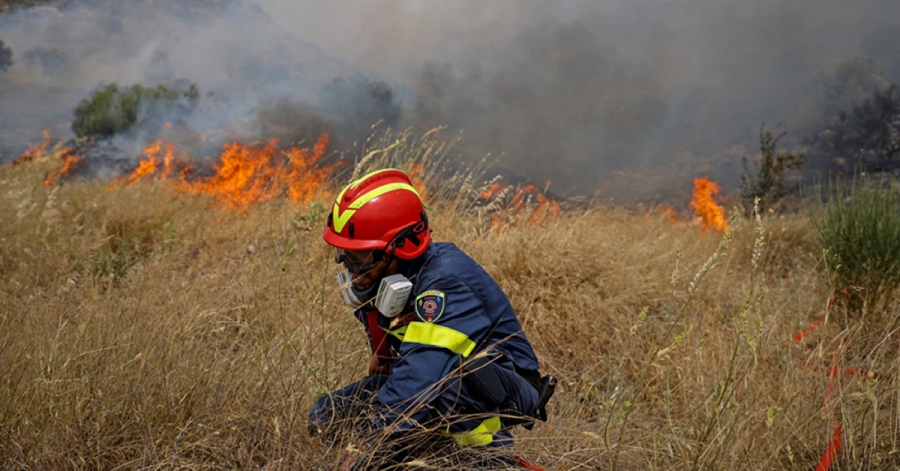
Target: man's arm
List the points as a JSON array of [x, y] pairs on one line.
[[450, 322]]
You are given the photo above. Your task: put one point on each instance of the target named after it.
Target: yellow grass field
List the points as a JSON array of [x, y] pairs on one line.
[[142, 328]]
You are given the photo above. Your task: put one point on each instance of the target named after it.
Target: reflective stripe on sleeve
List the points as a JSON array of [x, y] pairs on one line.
[[481, 435], [439, 336]]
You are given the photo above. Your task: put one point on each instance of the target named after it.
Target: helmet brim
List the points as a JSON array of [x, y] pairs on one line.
[[336, 240]]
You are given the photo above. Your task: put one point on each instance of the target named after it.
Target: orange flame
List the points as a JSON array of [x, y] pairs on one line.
[[149, 165], [532, 196], [492, 191], [35, 150], [712, 216], [71, 162], [245, 174], [306, 180]]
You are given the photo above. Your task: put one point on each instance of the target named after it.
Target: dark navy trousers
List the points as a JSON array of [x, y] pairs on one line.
[[488, 387]]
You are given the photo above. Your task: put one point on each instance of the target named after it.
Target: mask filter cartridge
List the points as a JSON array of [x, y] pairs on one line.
[[392, 295]]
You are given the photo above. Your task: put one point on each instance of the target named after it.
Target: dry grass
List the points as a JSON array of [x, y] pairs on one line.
[[141, 329]]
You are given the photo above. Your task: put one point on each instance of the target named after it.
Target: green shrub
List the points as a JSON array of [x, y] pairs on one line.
[[769, 182], [859, 234], [112, 110]]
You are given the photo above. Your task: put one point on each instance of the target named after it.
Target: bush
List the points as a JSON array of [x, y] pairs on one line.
[[869, 135], [859, 234], [6, 57], [112, 110], [769, 182]]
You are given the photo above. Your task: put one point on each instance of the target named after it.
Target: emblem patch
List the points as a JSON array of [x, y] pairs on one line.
[[430, 305]]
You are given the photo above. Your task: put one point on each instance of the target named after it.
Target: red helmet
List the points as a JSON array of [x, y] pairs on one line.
[[380, 211]]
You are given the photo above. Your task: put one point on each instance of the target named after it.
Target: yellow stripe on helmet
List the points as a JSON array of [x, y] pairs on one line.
[[340, 219]]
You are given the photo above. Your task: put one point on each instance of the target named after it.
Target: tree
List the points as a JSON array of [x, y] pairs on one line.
[[112, 110], [6, 57], [868, 136], [769, 182]]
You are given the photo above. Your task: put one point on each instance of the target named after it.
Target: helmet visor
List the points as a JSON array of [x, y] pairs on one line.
[[358, 262]]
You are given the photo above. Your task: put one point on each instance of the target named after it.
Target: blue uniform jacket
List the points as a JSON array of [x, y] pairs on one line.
[[458, 310]]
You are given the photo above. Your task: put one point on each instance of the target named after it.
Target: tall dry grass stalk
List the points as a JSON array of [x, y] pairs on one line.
[[144, 329]]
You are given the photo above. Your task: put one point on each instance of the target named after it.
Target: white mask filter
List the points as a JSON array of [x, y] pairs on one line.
[[391, 297]]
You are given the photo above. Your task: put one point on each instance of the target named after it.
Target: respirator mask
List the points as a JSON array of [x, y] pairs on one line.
[[388, 296]]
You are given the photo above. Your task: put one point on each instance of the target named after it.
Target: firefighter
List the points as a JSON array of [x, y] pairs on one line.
[[447, 348]]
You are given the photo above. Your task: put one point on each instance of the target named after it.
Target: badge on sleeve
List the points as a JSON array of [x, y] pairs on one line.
[[430, 305]]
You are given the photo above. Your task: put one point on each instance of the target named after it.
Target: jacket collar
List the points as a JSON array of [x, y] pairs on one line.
[[413, 268]]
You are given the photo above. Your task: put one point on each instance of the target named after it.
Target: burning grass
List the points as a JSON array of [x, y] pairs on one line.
[[146, 327], [245, 175], [35, 150], [706, 204]]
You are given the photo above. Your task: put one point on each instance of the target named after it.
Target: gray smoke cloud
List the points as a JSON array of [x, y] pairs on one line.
[[618, 97], [625, 98]]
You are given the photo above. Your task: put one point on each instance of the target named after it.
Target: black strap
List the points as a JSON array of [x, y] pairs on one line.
[[545, 392]]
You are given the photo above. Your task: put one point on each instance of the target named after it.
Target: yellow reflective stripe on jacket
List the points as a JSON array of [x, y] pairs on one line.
[[439, 336], [481, 435]]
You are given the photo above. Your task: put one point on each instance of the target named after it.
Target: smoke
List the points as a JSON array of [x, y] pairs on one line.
[[628, 98], [610, 97]]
